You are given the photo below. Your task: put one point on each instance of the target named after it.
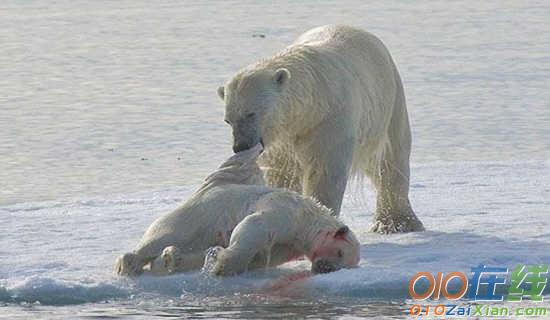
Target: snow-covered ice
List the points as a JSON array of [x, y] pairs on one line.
[[62, 252]]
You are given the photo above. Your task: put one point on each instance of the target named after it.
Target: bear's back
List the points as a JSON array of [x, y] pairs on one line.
[[338, 35], [195, 223]]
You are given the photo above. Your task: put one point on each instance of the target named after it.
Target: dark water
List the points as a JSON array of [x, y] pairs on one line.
[[253, 309], [100, 97]]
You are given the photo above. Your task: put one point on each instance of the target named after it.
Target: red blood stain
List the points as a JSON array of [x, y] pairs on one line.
[[284, 283]]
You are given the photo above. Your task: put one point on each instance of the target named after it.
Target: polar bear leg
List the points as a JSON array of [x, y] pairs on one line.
[[271, 257], [165, 263], [252, 237], [172, 260], [393, 209], [276, 255], [326, 179]]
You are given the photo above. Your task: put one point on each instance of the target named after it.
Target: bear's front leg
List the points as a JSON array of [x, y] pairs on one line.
[[229, 263], [326, 176], [277, 255], [167, 262], [255, 235]]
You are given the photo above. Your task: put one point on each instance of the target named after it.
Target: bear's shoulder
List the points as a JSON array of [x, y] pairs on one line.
[[333, 33]]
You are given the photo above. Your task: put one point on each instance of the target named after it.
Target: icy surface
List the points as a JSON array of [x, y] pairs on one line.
[[62, 252]]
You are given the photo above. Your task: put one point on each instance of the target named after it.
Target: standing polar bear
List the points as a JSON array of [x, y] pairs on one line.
[[249, 224], [328, 107]]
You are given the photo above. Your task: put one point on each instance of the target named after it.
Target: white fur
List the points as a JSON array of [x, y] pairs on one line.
[[261, 225], [339, 111]]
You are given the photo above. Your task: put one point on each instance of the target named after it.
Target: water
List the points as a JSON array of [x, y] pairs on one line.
[[88, 89], [109, 118]]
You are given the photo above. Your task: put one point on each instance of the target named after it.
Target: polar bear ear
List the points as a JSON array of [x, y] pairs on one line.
[[221, 92], [342, 232], [281, 76]]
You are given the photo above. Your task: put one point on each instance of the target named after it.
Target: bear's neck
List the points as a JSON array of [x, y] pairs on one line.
[[304, 103], [318, 224], [299, 116], [310, 248]]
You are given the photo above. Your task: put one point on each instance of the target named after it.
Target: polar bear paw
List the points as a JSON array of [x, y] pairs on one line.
[[170, 257], [211, 259], [223, 262], [167, 262], [386, 224]]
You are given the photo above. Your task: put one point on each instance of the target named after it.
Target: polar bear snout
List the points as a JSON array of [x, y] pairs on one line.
[[243, 144], [241, 147], [244, 147], [246, 134], [335, 250], [324, 266]]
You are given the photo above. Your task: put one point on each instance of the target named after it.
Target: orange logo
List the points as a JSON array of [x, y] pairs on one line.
[[438, 286]]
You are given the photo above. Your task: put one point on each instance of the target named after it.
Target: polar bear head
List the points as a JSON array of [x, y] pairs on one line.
[[251, 99], [334, 250]]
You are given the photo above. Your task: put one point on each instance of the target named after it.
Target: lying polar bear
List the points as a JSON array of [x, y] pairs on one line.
[[255, 226]]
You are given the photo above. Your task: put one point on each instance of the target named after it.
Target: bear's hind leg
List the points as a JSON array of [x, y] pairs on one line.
[[393, 209], [391, 177]]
